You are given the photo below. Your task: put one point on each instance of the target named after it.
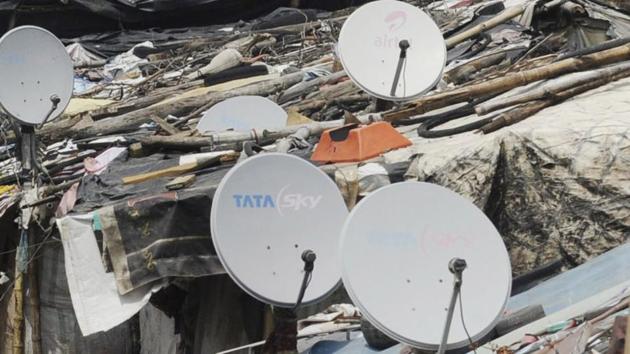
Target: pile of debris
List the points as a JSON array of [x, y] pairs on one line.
[[528, 122]]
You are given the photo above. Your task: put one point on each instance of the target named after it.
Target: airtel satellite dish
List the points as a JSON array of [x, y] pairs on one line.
[[243, 113], [397, 244], [370, 48], [35, 70], [266, 212]]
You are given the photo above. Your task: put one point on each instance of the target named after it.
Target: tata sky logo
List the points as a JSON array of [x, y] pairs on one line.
[[282, 202], [394, 21]]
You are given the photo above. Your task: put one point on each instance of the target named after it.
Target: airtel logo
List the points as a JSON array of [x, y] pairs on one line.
[[396, 20]]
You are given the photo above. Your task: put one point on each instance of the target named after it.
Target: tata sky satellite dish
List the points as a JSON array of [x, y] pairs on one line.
[[398, 245], [243, 113], [267, 212], [392, 50], [37, 75]]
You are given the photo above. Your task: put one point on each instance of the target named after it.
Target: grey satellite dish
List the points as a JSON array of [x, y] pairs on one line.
[[268, 213], [403, 248], [243, 113], [392, 50], [37, 75]]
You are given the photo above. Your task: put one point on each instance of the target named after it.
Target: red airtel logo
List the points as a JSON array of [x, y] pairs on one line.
[[396, 20]]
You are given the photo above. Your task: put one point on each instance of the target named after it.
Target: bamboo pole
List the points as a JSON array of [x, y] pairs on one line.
[[504, 16], [510, 81], [33, 296], [18, 319], [526, 110], [317, 104], [546, 89]]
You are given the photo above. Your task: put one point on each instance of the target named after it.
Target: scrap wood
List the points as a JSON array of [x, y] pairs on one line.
[[132, 120], [128, 106], [227, 140], [315, 104], [560, 84], [528, 109], [509, 82], [164, 125], [504, 16]]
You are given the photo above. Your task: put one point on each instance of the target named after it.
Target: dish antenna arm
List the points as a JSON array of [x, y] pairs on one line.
[[404, 45], [54, 99], [29, 147], [457, 267], [308, 257]]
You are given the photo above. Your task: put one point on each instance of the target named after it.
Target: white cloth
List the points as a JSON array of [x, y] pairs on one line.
[[81, 56]]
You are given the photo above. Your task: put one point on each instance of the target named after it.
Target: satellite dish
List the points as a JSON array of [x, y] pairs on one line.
[[243, 113], [37, 75], [267, 211], [392, 50], [397, 246]]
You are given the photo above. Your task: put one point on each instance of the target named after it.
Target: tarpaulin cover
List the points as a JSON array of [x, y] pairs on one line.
[[148, 10], [8, 5], [150, 233]]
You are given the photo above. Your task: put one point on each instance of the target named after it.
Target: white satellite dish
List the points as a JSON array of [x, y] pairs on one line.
[[243, 113], [37, 75], [397, 244], [266, 212], [392, 50]]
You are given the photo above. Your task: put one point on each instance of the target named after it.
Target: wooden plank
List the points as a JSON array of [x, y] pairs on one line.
[[172, 171], [167, 172]]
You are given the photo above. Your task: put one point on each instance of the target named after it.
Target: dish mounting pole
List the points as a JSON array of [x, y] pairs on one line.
[[31, 167]]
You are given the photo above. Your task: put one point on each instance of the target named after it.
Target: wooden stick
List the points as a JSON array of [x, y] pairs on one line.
[[171, 171], [164, 125], [463, 72], [319, 104], [504, 16]]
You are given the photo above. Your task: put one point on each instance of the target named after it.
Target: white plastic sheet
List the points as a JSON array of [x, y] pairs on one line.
[[97, 304]]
